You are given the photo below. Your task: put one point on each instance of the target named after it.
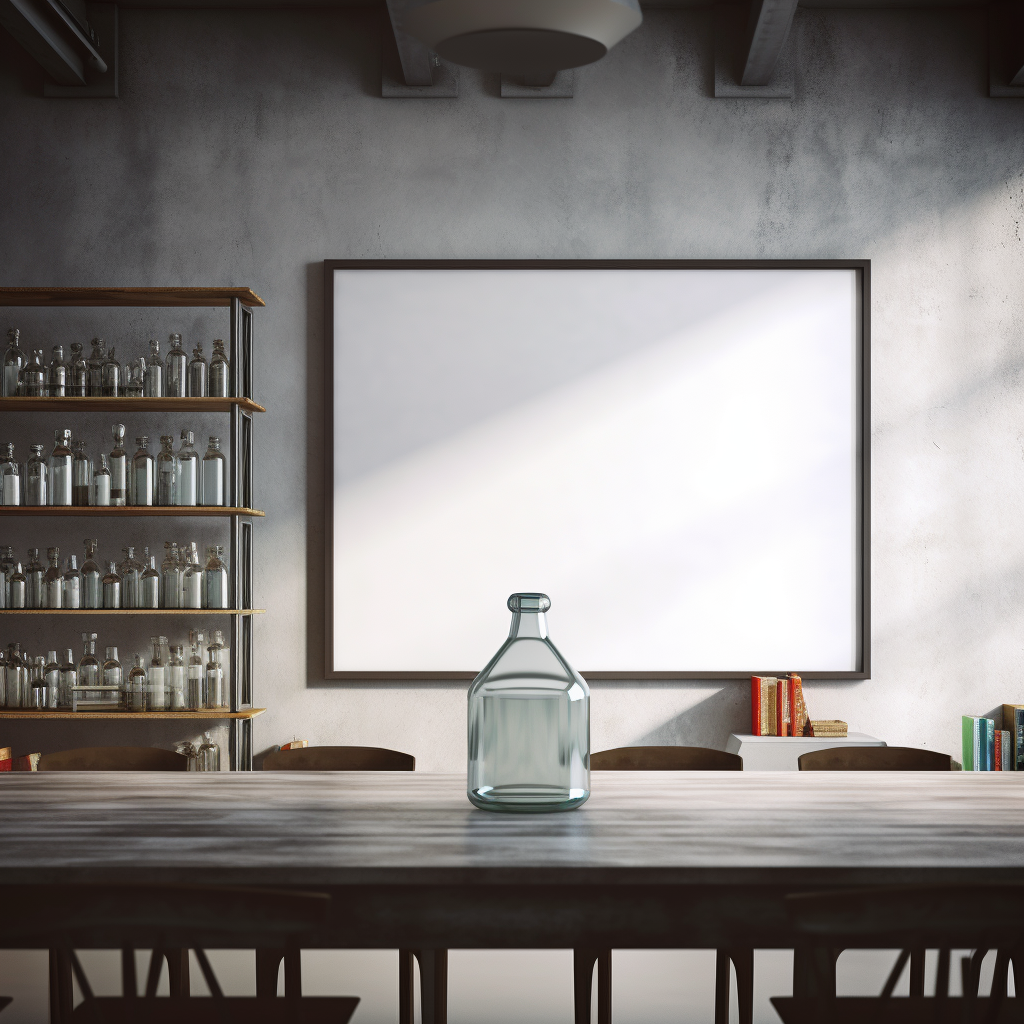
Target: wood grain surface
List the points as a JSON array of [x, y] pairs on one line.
[[126, 511], [165, 297], [77, 404]]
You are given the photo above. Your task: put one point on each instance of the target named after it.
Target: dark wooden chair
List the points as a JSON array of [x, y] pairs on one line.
[[663, 759], [433, 963], [165, 919], [874, 759], [114, 759], [913, 918]]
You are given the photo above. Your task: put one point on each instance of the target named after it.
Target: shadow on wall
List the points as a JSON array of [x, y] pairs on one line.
[[707, 723]]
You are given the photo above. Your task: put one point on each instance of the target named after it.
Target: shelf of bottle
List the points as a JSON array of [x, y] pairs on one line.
[[132, 297], [60, 713], [127, 510], [127, 404], [132, 611]]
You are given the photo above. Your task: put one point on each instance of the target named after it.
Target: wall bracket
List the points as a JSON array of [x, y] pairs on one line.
[[561, 86], [751, 46], [408, 68]]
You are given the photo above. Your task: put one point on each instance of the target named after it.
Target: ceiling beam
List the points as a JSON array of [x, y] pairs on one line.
[[414, 57], [54, 35], [767, 30]]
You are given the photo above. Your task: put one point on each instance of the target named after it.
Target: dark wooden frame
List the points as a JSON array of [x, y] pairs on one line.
[[863, 270]]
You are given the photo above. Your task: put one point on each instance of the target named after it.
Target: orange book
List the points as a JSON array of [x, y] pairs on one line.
[[755, 705], [5, 759], [797, 707], [769, 706], [998, 763]]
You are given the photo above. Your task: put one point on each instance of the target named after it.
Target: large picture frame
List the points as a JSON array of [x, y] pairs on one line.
[[381, 324]]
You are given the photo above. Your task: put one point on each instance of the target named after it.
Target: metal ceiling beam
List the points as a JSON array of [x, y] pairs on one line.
[[54, 36], [767, 30]]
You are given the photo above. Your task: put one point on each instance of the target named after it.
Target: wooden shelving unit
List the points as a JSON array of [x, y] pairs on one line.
[[128, 511], [245, 715], [75, 404], [191, 612], [138, 297]]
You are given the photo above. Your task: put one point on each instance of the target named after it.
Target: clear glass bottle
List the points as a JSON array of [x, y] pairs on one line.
[[216, 690], [17, 588], [215, 475], [51, 680], [176, 680], [79, 383], [7, 566], [17, 678], [135, 378], [14, 360], [72, 584], [58, 376], [220, 371], [34, 572], [192, 582], [81, 474], [113, 674], [111, 587], [130, 571], [137, 691], [100, 495], [37, 477], [88, 665], [157, 689], [208, 755], [113, 382], [529, 721], [118, 467], [188, 470], [166, 472], [97, 357], [215, 579], [176, 385], [195, 691], [92, 578], [170, 577], [154, 384], [59, 468], [143, 474], [32, 382], [53, 581], [197, 371], [68, 678], [10, 476], [149, 585]]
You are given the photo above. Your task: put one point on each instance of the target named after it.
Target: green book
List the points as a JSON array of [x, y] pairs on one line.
[[1018, 733], [968, 730], [990, 744]]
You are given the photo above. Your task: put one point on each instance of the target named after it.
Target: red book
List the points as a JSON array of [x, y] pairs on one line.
[[998, 765], [755, 705], [5, 759], [781, 715]]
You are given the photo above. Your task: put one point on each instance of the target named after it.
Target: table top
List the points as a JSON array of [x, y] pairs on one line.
[[660, 828]]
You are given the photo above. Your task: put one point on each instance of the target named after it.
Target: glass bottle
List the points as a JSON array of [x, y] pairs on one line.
[[216, 691], [220, 371], [58, 376], [92, 578], [72, 584], [157, 688], [135, 378], [14, 360], [97, 357], [81, 474], [154, 383], [166, 472], [89, 666], [100, 495], [59, 468], [208, 755], [188, 470], [32, 380], [51, 680], [68, 678], [118, 467], [113, 674], [197, 373], [136, 695], [36, 477], [176, 680], [176, 385], [17, 678], [113, 382], [170, 577], [143, 474], [215, 579], [79, 382], [7, 566], [195, 697], [130, 571], [34, 571], [53, 581], [529, 721], [10, 476], [111, 587], [215, 475], [192, 582], [3, 678], [17, 587], [149, 585]]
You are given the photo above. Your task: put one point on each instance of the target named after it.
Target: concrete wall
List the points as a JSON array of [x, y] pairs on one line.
[[248, 147]]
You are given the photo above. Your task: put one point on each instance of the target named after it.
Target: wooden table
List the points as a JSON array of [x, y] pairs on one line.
[[672, 860]]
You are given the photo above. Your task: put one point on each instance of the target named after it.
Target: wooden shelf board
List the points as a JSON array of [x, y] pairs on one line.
[[132, 611], [126, 510], [77, 716], [127, 404], [166, 297]]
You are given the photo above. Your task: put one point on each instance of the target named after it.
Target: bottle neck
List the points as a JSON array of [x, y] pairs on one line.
[[532, 625]]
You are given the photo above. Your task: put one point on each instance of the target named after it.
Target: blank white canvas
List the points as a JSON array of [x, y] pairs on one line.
[[671, 455]]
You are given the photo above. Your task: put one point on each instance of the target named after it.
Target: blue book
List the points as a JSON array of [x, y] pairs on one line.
[[991, 746]]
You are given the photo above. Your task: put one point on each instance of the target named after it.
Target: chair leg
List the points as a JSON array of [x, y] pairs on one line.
[[604, 987], [129, 981], [268, 969], [917, 973], [942, 975], [722, 986], [583, 961], [433, 985], [405, 984], [177, 973], [743, 960], [61, 991]]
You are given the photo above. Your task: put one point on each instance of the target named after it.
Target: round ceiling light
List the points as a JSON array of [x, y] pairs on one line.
[[522, 36]]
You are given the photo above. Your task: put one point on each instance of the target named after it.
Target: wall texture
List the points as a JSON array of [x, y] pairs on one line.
[[248, 147]]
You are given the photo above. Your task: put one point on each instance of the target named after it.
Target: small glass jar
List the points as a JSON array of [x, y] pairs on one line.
[[111, 587], [113, 674], [68, 678], [197, 370], [78, 387], [72, 584], [153, 386], [137, 692], [53, 581], [10, 476], [176, 381], [118, 467], [166, 473], [100, 495], [14, 361], [215, 579], [176, 679], [113, 382], [97, 357], [35, 596], [220, 371], [208, 755], [215, 475], [158, 672], [81, 475], [58, 376], [92, 578], [143, 476], [58, 466], [32, 382], [149, 585], [36, 477]]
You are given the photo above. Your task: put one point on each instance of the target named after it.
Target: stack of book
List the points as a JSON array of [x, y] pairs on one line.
[[777, 708], [829, 728], [985, 748]]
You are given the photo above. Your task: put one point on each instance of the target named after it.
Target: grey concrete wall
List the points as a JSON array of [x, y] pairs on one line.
[[247, 148]]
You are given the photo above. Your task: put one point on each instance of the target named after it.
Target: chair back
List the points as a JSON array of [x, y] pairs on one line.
[[665, 759], [114, 759], [874, 759], [339, 759]]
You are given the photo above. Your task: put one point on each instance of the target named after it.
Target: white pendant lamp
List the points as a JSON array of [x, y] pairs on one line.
[[521, 36]]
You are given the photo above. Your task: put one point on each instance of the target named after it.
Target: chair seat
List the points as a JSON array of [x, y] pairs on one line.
[[227, 1010]]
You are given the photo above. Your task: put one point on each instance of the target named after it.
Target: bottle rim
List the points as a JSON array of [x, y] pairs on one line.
[[529, 602]]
